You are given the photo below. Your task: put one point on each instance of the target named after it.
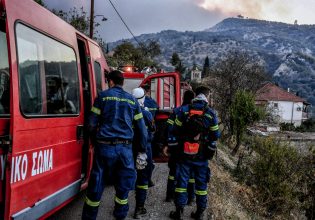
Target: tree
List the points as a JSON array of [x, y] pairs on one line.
[[238, 71], [206, 68], [142, 56], [243, 113], [175, 60], [80, 20], [40, 2], [177, 63]]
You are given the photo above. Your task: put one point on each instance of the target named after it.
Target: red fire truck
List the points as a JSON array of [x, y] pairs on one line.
[[49, 76]]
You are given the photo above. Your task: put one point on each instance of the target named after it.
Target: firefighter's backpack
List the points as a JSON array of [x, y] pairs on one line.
[[193, 129]]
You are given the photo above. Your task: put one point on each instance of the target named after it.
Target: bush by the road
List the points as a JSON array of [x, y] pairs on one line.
[[283, 179]]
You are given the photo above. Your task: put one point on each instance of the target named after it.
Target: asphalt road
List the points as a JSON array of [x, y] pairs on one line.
[[156, 206]]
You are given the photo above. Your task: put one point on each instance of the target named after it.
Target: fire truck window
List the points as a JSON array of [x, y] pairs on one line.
[[153, 89], [4, 74], [130, 84], [98, 77], [48, 76]]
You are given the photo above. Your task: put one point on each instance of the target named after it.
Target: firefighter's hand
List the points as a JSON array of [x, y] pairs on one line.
[[165, 151], [141, 161]]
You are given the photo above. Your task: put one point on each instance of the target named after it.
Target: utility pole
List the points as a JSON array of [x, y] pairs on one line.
[[92, 19]]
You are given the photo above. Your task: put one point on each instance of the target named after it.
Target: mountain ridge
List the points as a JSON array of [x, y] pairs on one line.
[[286, 50]]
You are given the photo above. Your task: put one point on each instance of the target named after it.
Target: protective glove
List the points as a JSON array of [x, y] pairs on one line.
[[212, 148], [141, 161]]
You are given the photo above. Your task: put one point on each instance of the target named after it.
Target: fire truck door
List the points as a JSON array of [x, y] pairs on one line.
[[165, 90]]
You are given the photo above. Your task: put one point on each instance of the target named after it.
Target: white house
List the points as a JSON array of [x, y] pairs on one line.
[[286, 106], [195, 74]]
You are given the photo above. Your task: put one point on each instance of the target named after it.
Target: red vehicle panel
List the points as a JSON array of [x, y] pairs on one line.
[[49, 76]]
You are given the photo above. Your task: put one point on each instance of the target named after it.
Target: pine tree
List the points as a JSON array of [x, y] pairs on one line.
[[206, 68]]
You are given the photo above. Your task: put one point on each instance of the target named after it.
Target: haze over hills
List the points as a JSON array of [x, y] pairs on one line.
[[287, 51]]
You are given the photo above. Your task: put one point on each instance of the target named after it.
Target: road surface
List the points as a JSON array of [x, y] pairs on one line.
[[156, 206]]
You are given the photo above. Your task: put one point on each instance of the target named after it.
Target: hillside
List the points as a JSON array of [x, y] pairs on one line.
[[287, 51]]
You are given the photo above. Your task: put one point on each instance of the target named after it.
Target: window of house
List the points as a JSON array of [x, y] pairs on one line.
[[48, 76]]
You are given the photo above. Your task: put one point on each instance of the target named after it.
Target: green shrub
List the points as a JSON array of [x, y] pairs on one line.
[[282, 178]]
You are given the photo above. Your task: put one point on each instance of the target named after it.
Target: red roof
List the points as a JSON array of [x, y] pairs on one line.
[[271, 92]]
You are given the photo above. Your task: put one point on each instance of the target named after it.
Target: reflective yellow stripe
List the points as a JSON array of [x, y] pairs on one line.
[[180, 190], [119, 100], [91, 203], [178, 122], [170, 121], [138, 116], [152, 109], [201, 192], [191, 180], [96, 110], [121, 201], [171, 177], [209, 116], [143, 187], [214, 128]]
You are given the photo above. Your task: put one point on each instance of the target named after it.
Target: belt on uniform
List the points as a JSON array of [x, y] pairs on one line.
[[112, 142]]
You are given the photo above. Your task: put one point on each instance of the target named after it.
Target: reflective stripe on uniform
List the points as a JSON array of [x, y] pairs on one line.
[[138, 116], [171, 177], [170, 121], [180, 190], [201, 192], [208, 116], [121, 201], [191, 180], [178, 122], [152, 109], [91, 203], [143, 187], [96, 110], [119, 100], [214, 128]]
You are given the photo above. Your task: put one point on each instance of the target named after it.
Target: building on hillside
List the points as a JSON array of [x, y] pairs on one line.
[[287, 107], [195, 74]]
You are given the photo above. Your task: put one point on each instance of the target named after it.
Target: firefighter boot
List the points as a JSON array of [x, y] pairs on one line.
[[139, 211], [198, 215], [178, 214]]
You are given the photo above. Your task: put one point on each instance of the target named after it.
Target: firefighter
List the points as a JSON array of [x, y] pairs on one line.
[[173, 152], [143, 173], [149, 102], [196, 128], [113, 115], [153, 107]]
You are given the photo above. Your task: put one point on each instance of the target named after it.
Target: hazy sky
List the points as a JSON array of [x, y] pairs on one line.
[[151, 16]]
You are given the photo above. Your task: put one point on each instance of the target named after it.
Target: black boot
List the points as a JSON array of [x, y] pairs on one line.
[[139, 211], [198, 215], [178, 214], [191, 201]]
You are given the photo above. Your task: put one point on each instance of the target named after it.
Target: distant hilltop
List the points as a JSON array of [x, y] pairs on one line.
[[286, 50]]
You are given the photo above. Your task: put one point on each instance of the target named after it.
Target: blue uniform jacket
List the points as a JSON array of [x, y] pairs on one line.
[[149, 122], [114, 113], [210, 120], [151, 105], [172, 140], [150, 127]]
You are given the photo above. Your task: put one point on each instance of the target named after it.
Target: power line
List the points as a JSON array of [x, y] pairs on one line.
[[134, 37]]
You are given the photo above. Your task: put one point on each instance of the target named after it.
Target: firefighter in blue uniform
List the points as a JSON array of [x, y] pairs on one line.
[[174, 152], [150, 103], [113, 116], [196, 146], [143, 173], [152, 107]]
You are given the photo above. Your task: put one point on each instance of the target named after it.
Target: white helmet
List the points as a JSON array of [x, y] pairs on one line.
[[139, 94]]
